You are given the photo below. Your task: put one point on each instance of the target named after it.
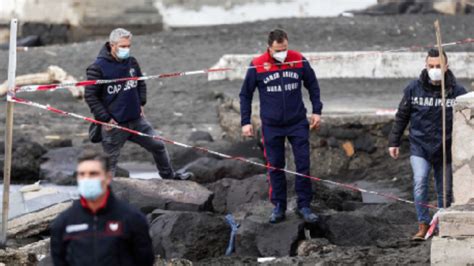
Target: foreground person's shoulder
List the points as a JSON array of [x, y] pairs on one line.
[[64, 216]]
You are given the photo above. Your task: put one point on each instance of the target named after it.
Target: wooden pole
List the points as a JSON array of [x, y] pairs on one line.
[[8, 132], [443, 106]]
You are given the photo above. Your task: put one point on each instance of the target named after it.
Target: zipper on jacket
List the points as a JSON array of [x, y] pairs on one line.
[[283, 93], [94, 227]]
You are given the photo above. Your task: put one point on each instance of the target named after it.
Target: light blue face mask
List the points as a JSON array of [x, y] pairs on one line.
[[123, 53], [90, 188]]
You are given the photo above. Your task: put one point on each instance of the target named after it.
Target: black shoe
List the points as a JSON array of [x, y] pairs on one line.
[[183, 175], [307, 215], [278, 214]]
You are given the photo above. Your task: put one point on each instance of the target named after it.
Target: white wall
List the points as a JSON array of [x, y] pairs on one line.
[[356, 65], [49, 11]]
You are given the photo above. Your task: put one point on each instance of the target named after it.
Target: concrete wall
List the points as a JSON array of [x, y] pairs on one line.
[[455, 243], [355, 65], [463, 149]]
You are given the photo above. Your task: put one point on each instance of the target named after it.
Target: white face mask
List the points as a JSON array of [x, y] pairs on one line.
[[280, 56], [435, 74]]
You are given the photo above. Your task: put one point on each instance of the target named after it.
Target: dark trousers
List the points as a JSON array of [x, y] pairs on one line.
[[113, 141], [274, 144]]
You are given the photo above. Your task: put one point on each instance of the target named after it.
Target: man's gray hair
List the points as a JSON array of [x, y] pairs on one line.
[[118, 34]]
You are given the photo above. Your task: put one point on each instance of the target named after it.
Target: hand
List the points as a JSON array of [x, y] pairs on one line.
[[142, 111], [394, 152], [247, 131], [315, 122], [112, 121]]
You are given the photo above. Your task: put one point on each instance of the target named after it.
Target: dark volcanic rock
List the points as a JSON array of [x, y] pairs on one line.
[[332, 142], [365, 143], [344, 133], [25, 160], [398, 7], [228, 260], [189, 235], [371, 225], [360, 161], [334, 198], [181, 157], [200, 136], [327, 162], [148, 195], [60, 165], [230, 194], [257, 237], [59, 143], [405, 253], [207, 169]]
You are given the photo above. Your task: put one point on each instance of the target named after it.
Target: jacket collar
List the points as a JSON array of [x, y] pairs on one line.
[[109, 198], [272, 60], [450, 82], [106, 54]]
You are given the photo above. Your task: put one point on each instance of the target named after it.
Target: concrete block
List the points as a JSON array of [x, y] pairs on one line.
[[457, 221], [463, 149], [452, 251], [463, 183]]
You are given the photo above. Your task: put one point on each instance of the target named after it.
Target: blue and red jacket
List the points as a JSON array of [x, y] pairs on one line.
[[279, 86], [115, 234]]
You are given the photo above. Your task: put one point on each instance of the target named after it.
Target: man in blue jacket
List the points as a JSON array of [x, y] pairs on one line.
[[278, 74], [421, 107], [122, 103], [99, 229]]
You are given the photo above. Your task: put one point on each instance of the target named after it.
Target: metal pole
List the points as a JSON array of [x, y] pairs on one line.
[[8, 132], [443, 106]]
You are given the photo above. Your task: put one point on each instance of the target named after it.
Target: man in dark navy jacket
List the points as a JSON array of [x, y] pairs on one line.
[[278, 74], [421, 107], [122, 103], [99, 229]]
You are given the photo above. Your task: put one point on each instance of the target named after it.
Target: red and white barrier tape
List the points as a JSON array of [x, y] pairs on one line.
[[31, 88], [221, 155]]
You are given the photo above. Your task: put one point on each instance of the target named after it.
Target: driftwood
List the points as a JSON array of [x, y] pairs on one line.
[[32, 224], [453, 7], [54, 74]]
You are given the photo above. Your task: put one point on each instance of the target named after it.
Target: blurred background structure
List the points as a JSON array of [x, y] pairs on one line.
[[61, 21]]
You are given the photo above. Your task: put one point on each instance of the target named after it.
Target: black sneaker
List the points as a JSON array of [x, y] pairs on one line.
[[183, 175], [278, 214], [307, 215]]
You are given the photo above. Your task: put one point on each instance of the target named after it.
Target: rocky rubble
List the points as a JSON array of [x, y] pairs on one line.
[[190, 235], [207, 170], [148, 195], [25, 159], [348, 148]]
